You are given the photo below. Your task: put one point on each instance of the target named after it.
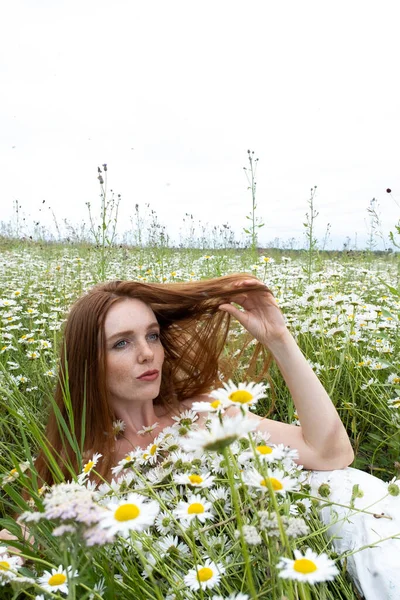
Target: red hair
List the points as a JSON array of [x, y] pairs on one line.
[[192, 331]]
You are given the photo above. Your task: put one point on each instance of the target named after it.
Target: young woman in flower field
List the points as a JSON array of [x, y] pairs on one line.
[[121, 330], [138, 354]]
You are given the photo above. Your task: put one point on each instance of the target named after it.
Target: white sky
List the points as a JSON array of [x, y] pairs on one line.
[[171, 94]]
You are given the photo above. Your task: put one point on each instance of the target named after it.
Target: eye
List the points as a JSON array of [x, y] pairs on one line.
[[120, 344], [154, 337]]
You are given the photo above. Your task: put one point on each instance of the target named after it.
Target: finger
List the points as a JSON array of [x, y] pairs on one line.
[[233, 311], [245, 282]]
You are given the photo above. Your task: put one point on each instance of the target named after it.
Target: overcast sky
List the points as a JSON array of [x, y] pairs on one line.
[[171, 94]]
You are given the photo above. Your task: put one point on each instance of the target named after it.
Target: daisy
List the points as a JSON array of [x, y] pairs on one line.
[[301, 507], [279, 482], [14, 473], [214, 406], [89, 466], [195, 508], [151, 453], [118, 427], [186, 418], [148, 429], [124, 462], [132, 513], [203, 480], [204, 576], [164, 523], [263, 452], [57, 580], [172, 546], [8, 566], [309, 568], [245, 395], [219, 435]]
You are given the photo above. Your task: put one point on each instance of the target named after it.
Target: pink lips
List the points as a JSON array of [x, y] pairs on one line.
[[148, 376]]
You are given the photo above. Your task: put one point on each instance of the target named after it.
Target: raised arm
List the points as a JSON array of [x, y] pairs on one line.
[[322, 441]]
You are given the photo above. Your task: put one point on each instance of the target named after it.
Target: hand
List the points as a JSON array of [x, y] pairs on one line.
[[261, 317], [6, 536]]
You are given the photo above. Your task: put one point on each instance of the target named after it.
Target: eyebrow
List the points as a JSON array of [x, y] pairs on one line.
[[130, 331]]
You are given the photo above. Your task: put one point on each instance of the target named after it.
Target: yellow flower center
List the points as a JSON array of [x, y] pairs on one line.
[[264, 449], [215, 404], [153, 449], [126, 512], [304, 565], [204, 574], [241, 396], [88, 466], [195, 479], [57, 579], [4, 565], [276, 484], [13, 472], [195, 509], [127, 457]]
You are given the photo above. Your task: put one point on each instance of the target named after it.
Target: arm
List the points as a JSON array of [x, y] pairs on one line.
[[321, 440]]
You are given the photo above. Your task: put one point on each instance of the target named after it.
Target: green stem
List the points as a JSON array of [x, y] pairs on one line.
[[235, 499]]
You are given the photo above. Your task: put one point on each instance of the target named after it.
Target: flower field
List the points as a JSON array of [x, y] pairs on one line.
[[216, 513]]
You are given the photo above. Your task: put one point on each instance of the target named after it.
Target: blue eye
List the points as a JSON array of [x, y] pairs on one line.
[[119, 344], [154, 336]]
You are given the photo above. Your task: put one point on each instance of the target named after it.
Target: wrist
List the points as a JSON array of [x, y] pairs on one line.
[[280, 343]]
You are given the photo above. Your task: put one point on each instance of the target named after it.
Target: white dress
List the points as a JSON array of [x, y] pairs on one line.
[[374, 570]]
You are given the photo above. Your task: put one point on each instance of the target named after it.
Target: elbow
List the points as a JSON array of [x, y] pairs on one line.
[[349, 457], [343, 458]]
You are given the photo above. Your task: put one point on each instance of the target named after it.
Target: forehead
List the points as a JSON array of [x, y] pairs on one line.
[[128, 313]]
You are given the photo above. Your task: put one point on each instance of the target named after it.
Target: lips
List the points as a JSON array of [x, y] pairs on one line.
[[149, 375]]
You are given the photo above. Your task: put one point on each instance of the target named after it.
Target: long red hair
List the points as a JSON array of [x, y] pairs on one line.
[[193, 333]]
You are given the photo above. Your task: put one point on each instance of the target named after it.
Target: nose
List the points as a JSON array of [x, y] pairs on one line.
[[145, 352]]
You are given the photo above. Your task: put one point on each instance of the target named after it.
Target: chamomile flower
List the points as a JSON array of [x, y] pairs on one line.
[[196, 507], [124, 462], [14, 473], [219, 435], [245, 395], [150, 454], [148, 429], [301, 507], [132, 513], [280, 482], [204, 576], [308, 568], [263, 452], [187, 418], [170, 545], [8, 567], [89, 466], [214, 406], [57, 580], [164, 523], [118, 427], [196, 480]]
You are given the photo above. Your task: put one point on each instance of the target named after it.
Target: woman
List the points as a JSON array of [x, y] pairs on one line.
[[140, 353], [122, 330]]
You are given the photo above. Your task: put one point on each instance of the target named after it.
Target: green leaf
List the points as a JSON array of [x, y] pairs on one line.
[[391, 288]]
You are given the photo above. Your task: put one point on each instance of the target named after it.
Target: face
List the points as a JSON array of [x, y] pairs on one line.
[[134, 354]]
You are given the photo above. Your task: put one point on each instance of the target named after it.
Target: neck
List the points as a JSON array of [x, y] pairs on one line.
[[136, 416]]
